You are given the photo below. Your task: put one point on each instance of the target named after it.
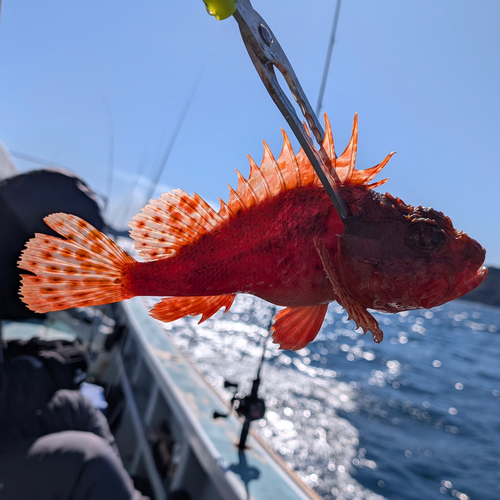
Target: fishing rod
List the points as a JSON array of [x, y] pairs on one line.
[[251, 407], [328, 60]]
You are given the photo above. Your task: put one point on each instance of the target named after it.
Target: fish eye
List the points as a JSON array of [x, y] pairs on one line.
[[425, 236]]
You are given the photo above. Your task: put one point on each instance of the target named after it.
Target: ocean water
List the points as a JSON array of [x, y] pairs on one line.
[[415, 417]]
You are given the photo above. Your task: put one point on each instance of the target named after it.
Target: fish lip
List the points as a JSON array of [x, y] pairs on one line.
[[478, 277], [459, 288], [468, 283]]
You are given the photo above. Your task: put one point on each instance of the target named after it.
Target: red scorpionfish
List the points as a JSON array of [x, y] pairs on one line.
[[278, 237]]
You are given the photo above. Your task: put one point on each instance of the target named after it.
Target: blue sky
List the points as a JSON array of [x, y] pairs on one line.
[[424, 77]]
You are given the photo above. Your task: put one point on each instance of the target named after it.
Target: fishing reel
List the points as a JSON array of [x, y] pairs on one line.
[[248, 406]]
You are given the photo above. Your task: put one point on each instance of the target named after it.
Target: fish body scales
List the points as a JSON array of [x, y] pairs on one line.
[[266, 251]]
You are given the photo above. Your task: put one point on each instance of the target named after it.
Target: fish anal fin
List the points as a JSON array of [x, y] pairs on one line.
[[295, 327], [356, 312], [172, 308]]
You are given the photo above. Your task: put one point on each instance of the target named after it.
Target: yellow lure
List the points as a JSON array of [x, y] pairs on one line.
[[221, 9]]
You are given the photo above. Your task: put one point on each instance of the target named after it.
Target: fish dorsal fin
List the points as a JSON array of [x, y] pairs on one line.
[[175, 220], [273, 177], [295, 327], [291, 170], [344, 165], [173, 308]]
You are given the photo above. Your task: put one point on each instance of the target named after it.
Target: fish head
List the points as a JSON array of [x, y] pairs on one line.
[[393, 257]]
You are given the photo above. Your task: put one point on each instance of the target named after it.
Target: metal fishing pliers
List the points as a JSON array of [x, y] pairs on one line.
[[266, 54]]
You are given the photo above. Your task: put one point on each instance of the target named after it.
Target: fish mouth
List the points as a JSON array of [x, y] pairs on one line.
[[443, 290], [467, 282]]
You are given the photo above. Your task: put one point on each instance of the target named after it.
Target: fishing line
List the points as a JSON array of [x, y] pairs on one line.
[[111, 151], [37, 160], [328, 57], [166, 154], [177, 129], [126, 204]]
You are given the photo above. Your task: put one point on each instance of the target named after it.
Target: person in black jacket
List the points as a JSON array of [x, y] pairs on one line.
[[53, 443]]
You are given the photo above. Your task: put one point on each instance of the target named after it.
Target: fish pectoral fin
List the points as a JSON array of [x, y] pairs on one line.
[[356, 312], [173, 308], [295, 327]]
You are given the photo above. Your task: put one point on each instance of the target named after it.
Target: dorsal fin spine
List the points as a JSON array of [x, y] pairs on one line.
[[372, 172], [225, 211], [234, 197], [354, 141], [328, 142], [346, 161], [254, 169], [210, 215], [244, 186], [288, 150], [270, 157]]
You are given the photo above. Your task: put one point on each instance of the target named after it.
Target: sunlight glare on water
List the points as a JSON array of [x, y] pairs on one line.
[[414, 417]]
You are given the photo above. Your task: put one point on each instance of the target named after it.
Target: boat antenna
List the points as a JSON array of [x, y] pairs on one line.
[[328, 57]]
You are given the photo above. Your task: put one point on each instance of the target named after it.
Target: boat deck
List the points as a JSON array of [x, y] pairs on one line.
[[166, 397], [255, 472]]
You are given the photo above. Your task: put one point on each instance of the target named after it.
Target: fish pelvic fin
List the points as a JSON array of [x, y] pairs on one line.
[[295, 327], [171, 222], [85, 269], [172, 308], [355, 311]]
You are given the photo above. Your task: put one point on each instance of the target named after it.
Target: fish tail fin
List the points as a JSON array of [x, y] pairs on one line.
[[85, 269]]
